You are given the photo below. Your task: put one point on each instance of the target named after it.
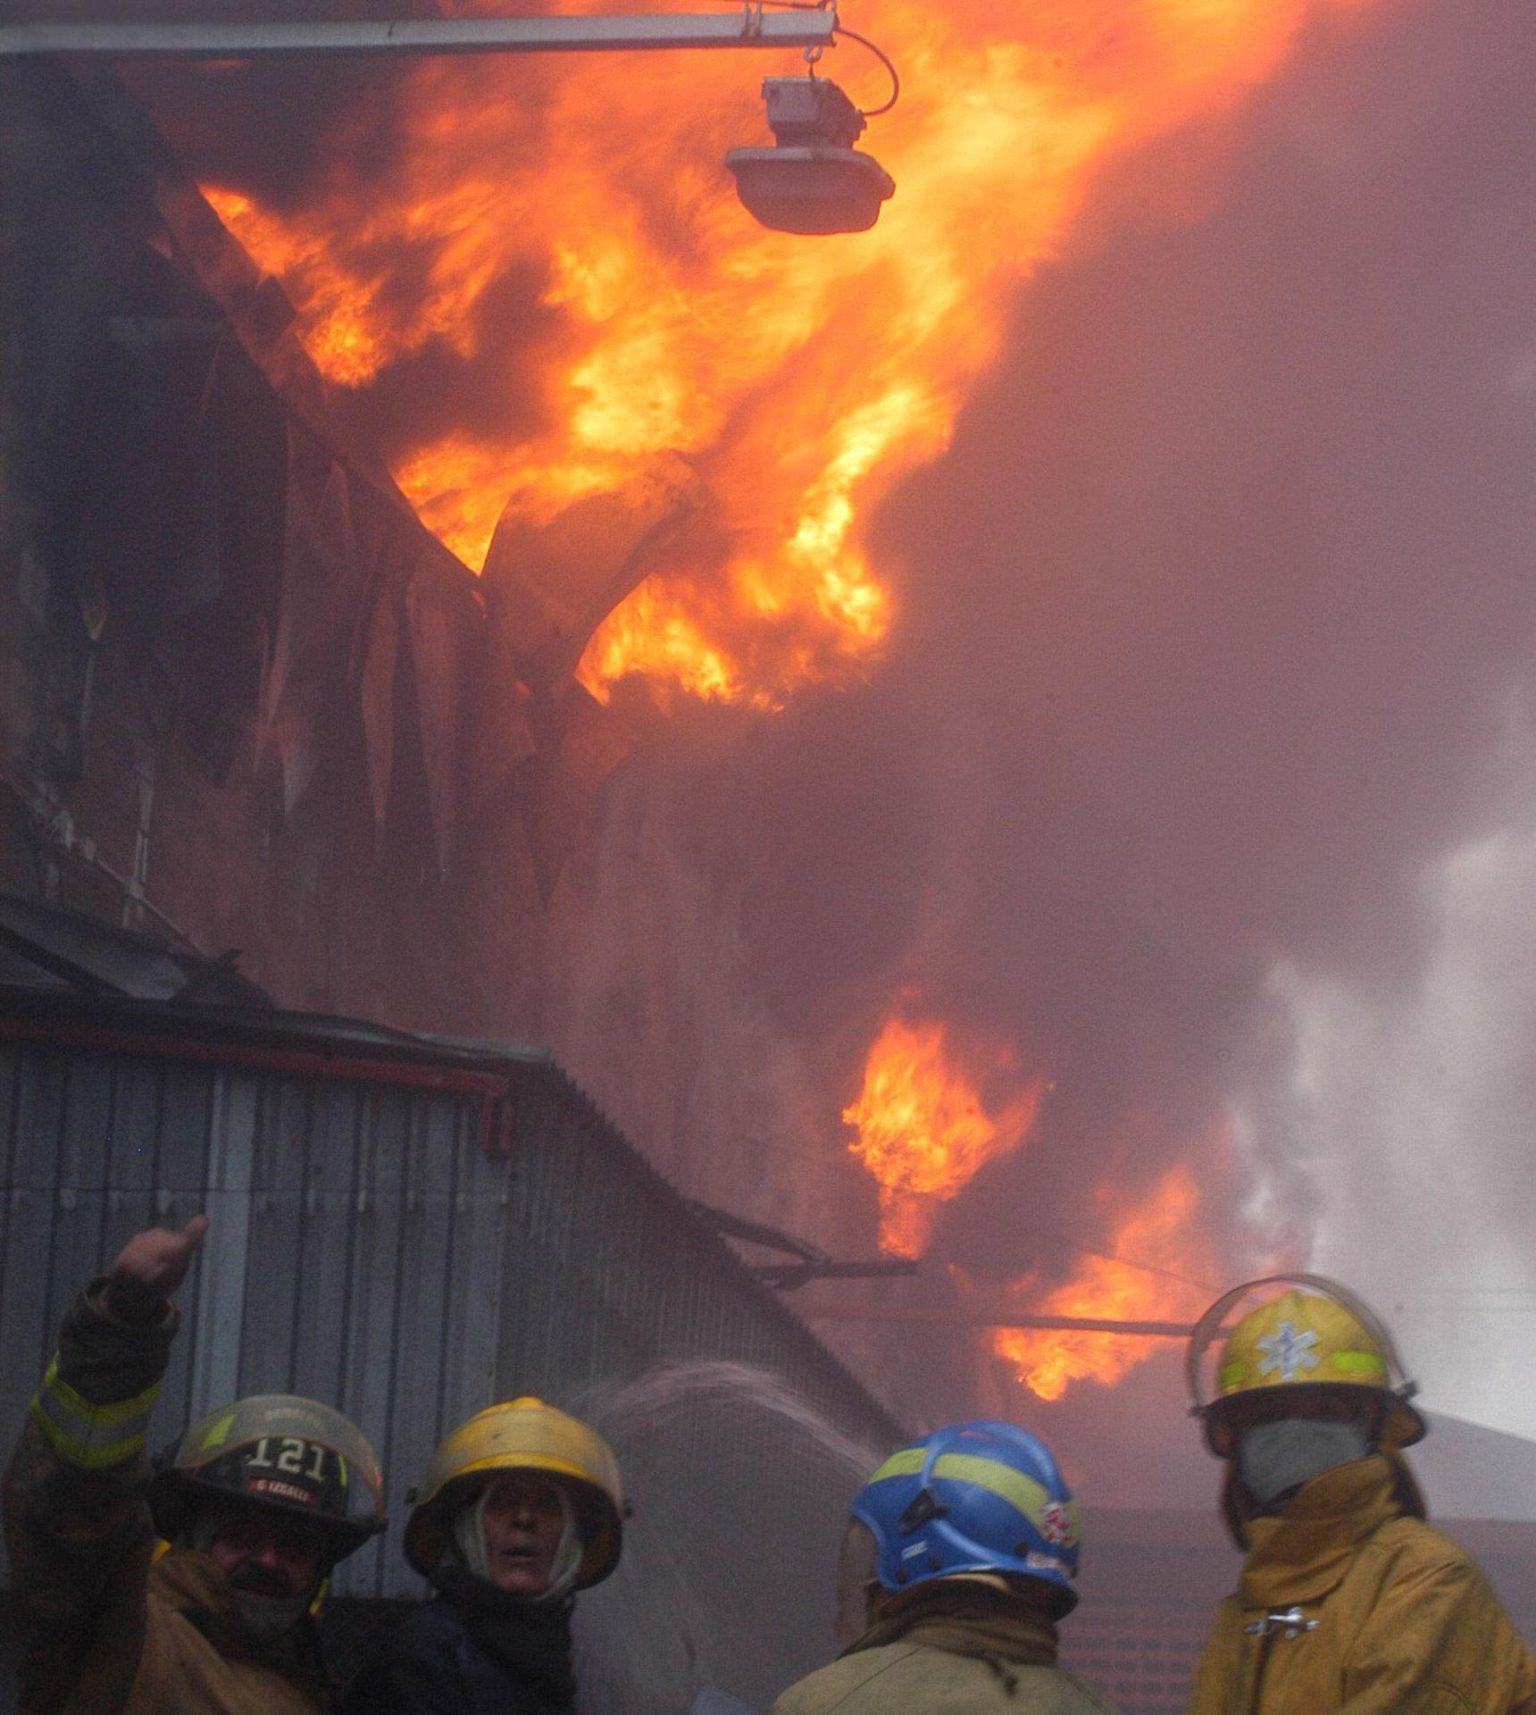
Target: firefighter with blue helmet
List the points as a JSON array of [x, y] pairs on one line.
[[960, 1559]]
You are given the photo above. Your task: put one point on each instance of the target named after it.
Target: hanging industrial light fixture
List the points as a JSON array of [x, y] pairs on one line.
[[813, 180]]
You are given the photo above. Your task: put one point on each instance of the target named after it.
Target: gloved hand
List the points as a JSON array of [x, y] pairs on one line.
[[149, 1268]]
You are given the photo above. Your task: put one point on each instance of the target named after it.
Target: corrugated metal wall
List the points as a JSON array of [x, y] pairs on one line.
[[366, 1250]]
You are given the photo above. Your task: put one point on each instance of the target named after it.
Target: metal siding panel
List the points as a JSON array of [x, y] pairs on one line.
[[26, 1333], [520, 1270], [474, 1308], [325, 1246], [214, 1333], [12, 1378], [133, 1171], [282, 1137], [10, 1080], [372, 1353], [135, 1125], [36, 1291], [86, 1125], [77, 1247], [186, 1115], [271, 1293], [272, 1275], [421, 1272], [39, 1102]]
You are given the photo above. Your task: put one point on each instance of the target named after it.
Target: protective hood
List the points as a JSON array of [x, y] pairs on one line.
[[1402, 1489]]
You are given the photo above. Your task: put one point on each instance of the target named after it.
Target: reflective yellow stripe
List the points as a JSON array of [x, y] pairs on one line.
[[86, 1434], [1360, 1363], [906, 1463], [1232, 1375], [218, 1431], [1024, 1493], [114, 1411]]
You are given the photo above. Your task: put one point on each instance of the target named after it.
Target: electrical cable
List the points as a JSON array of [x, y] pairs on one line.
[[885, 60], [853, 36]]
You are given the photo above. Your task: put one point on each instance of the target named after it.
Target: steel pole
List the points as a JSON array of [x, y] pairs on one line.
[[1004, 1319], [747, 27]]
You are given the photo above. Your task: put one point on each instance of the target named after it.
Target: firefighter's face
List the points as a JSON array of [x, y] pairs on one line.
[[523, 1522], [267, 1553]]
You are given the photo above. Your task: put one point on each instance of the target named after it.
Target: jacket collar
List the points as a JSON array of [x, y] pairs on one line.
[[966, 1616], [193, 1585], [1302, 1554], [1237, 1509]]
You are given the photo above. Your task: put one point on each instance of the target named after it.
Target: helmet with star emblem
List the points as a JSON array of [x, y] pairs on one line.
[[1291, 1332]]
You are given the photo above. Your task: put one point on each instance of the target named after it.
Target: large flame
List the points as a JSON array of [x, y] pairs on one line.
[[1158, 1268], [802, 376], [923, 1130]]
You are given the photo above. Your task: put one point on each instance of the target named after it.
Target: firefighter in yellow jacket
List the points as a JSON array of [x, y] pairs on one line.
[[1348, 1602], [261, 1498], [958, 1563]]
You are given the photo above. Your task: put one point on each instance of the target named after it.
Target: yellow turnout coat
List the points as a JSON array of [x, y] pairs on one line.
[[1347, 1605]]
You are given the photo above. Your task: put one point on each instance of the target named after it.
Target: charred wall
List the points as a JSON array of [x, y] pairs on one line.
[[248, 702]]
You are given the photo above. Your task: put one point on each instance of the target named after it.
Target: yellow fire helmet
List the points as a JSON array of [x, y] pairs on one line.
[[1296, 1330], [521, 1435]]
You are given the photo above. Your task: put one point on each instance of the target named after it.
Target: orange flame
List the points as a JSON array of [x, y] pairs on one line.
[[1158, 1260], [803, 376], [923, 1131]]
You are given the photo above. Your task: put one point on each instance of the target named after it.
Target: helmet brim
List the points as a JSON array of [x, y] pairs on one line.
[[1402, 1423], [177, 1497]]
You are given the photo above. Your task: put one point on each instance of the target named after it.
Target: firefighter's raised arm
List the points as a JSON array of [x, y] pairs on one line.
[[260, 1499]]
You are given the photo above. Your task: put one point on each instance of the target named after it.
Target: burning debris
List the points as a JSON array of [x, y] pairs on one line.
[[1160, 1267], [924, 1133]]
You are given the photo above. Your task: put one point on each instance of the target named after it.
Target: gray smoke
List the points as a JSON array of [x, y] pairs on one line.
[[1200, 767]]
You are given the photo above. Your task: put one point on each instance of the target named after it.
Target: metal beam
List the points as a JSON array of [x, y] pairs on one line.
[[1003, 1319], [747, 27]]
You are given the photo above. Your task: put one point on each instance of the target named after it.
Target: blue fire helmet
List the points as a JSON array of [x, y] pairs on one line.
[[975, 1497]]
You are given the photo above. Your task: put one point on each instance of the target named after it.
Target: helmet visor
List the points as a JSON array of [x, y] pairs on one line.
[[1356, 1350]]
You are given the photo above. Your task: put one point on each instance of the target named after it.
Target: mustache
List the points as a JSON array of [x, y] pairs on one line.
[[260, 1581]]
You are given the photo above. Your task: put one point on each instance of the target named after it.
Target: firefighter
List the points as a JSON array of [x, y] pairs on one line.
[[261, 1498], [519, 1509], [1348, 1602], [957, 1566]]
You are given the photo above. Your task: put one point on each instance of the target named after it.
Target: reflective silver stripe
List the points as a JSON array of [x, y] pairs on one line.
[[90, 1435]]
